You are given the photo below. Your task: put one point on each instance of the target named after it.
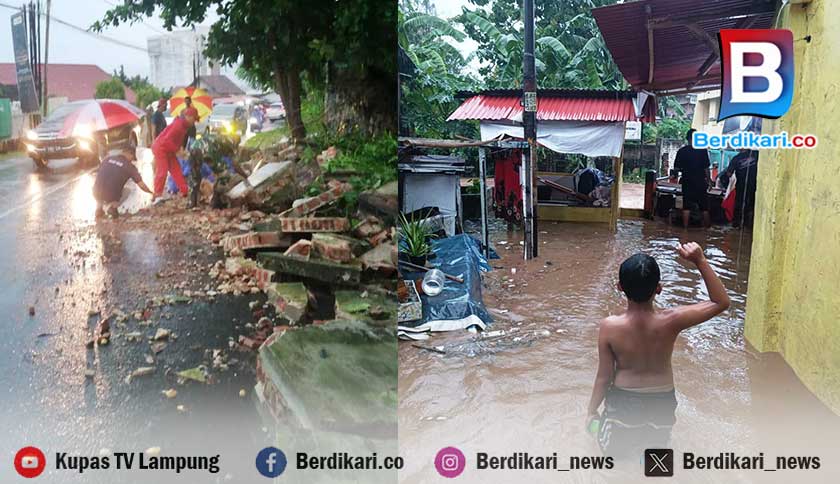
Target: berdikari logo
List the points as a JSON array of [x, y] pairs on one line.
[[757, 72]]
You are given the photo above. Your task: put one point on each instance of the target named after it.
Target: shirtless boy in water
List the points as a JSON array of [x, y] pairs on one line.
[[635, 380]]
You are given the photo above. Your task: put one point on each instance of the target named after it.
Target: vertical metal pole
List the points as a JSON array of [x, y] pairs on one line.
[[529, 121], [46, 98], [482, 182], [526, 205], [38, 64]]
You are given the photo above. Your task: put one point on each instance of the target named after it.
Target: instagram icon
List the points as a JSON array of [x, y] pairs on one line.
[[450, 462]]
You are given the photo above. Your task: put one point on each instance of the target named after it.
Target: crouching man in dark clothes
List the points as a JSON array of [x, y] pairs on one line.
[[116, 169], [635, 379]]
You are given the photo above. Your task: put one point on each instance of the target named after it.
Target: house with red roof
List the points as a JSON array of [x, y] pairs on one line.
[[72, 81]]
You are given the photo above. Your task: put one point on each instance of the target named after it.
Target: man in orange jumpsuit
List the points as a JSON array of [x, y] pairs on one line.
[[165, 148]]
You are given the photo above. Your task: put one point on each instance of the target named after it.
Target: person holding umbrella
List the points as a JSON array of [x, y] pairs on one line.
[[166, 147], [189, 109]]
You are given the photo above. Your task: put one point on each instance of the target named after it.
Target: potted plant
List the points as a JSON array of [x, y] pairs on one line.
[[415, 239]]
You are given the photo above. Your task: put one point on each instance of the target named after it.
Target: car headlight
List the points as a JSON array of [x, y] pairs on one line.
[[31, 135], [83, 131]]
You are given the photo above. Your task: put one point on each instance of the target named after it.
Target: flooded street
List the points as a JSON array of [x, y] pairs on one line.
[[527, 391], [72, 271]]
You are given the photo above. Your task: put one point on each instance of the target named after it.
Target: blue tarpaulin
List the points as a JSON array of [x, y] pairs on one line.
[[458, 306]]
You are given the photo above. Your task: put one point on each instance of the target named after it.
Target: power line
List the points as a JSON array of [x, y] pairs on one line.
[[105, 38], [153, 28], [149, 26]]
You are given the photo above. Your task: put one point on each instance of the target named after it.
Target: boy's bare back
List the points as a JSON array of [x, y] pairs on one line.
[[635, 347], [641, 345]]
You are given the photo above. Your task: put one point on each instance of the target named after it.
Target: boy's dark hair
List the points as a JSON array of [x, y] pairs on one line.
[[639, 276], [688, 134]]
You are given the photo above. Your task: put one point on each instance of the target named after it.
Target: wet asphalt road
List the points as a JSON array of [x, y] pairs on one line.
[[56, 259]]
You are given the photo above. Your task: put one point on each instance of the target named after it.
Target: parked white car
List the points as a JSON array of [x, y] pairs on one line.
[[275, 111]]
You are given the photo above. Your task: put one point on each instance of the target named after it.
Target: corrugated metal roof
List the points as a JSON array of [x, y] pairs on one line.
[[73, 81], [678, 54], [554, 105]]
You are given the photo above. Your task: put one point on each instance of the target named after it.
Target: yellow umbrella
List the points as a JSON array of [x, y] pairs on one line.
[[201, 101]]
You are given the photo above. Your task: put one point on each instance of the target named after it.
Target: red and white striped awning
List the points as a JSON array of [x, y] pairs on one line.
[[555, 105]]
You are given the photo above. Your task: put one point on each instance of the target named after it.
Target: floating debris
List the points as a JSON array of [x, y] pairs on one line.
[[142, 371]]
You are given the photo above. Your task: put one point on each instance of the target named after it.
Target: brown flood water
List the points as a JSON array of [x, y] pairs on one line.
[[527, 391]]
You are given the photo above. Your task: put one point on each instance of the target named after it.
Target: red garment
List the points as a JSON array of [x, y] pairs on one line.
[[167, 162], [507, 195], [171, 139], [728, 206], [191, 110]]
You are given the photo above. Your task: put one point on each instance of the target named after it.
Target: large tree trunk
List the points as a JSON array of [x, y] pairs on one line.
[[360, 100], [287, 84]]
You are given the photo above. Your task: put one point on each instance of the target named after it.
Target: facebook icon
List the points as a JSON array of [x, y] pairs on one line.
[[271, 462]]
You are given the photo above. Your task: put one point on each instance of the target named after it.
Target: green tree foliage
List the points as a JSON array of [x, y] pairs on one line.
[[278, 43], [111, 89], [147, 95], [570, 51], [144, 91], [673, 121], [428, 95]]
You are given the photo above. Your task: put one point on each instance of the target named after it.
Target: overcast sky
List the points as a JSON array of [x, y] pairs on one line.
[[74, 47]]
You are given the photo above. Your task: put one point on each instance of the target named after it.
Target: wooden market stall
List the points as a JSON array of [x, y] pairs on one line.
[[569, 121]]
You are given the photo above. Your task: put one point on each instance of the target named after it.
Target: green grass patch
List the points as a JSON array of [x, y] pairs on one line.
[[371, 159], [266, 138]]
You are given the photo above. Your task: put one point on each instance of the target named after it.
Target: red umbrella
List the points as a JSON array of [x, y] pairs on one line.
[[99, 115]]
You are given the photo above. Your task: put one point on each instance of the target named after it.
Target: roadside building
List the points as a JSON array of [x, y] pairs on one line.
[[796, 254], [219, 86], [65, 82], [706, 112], [795, 258], [176, 58]]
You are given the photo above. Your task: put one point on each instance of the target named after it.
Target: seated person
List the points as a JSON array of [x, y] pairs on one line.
[[114, 171]]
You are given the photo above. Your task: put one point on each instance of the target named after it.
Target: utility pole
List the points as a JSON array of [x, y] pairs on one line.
[[45, 97], [529, 121]]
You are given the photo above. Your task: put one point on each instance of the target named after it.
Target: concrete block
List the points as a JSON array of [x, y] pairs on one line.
[[306, 206], [254, 240], [317, 269], [341, 372], [289, 299], [333, 247], [313, 224], [263, 178], [373, 308], [383, 258], [301, 249]]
